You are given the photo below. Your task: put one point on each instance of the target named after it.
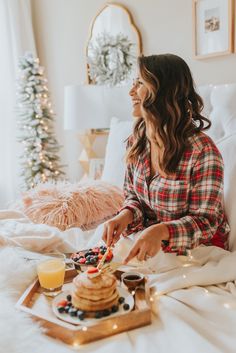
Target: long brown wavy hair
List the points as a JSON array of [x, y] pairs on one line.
[[172, 108]]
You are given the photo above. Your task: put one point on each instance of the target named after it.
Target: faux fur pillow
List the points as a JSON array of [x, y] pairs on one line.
[[65, 205]]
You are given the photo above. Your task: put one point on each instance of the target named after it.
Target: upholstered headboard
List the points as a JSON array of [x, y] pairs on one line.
[[220, 107]]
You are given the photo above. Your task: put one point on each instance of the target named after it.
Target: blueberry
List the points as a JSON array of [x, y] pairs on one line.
[[80, 315], [114, 308], [67, 308], [87, 262], [102, 251], [72, 312], [93, 260], [106, 312], [61, 309], [89, 253], [121, 300], [126, 306], [68, 297], [98, 314]]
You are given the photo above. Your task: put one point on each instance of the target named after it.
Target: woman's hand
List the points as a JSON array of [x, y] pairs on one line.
[[148, 243], [115, 226]]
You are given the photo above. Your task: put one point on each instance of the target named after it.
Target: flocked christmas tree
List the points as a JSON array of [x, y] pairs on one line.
[[40, 161]]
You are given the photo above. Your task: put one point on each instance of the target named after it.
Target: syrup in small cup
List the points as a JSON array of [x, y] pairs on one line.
[[132, 279], [51, 274]]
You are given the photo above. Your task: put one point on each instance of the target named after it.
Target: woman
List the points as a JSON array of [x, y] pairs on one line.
[[174, 177]]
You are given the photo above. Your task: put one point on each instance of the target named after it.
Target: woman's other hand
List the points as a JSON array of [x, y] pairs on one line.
[[115, 226], [148, 243]]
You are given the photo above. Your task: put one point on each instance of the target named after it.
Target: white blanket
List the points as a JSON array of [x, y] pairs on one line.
[[193, 300], [18, 230]]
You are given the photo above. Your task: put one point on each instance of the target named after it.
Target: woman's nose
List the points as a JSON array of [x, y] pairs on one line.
[[132, 90]]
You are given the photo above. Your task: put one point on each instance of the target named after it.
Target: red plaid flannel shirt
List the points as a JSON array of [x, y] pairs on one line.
[[190, 203]]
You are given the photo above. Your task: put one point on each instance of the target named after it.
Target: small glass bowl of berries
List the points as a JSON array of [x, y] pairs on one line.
[[90, 257]]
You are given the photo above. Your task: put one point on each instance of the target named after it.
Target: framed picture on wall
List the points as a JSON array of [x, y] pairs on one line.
[[212, 28]]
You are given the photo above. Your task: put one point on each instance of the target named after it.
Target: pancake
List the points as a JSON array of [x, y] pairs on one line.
[[105, 280], [90, 305], [94, 293]]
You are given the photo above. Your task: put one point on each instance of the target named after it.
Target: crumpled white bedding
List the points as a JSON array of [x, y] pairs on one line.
[[17, 230], [193, 299]]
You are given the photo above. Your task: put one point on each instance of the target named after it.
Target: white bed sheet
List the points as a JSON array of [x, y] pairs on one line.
[[194, 308]]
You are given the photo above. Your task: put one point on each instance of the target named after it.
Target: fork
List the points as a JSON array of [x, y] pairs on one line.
[[111, 267], [103, 259]]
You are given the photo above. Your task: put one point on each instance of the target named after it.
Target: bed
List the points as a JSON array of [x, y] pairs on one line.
[[194, 306]]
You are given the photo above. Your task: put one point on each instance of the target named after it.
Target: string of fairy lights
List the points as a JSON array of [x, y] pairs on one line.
[[40, 161], [155, 296]]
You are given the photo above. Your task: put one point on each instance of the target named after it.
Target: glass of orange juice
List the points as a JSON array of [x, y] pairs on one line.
[[51, 273]]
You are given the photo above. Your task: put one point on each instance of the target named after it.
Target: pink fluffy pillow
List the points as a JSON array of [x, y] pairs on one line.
[[65, 205]]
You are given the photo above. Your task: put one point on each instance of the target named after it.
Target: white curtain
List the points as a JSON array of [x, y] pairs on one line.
[[16, 37]]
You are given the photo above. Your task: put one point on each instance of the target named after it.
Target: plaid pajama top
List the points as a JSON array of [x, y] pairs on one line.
[[190, 203]]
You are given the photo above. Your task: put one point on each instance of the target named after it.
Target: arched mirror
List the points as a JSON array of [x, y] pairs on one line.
[[113, 46]]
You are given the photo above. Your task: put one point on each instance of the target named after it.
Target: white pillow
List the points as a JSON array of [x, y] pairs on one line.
[[114, 167], [205, 93], [223, 114], [227, 147]]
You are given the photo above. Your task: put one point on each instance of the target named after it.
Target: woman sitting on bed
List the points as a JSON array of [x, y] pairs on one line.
[[174, 176]]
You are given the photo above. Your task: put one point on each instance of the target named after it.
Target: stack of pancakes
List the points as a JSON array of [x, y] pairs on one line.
[[94, 293]]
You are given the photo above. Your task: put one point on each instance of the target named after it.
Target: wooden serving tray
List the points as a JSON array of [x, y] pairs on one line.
[[34, 302]]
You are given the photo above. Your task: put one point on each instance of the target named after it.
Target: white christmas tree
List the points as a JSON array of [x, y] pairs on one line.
[[40, 161]]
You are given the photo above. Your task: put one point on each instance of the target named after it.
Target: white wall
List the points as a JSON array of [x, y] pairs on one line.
[[62, 28]]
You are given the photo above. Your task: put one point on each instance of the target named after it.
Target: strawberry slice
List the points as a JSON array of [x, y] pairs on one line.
[[62, 303], [109, 257], [82, 260], [92, 270]]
